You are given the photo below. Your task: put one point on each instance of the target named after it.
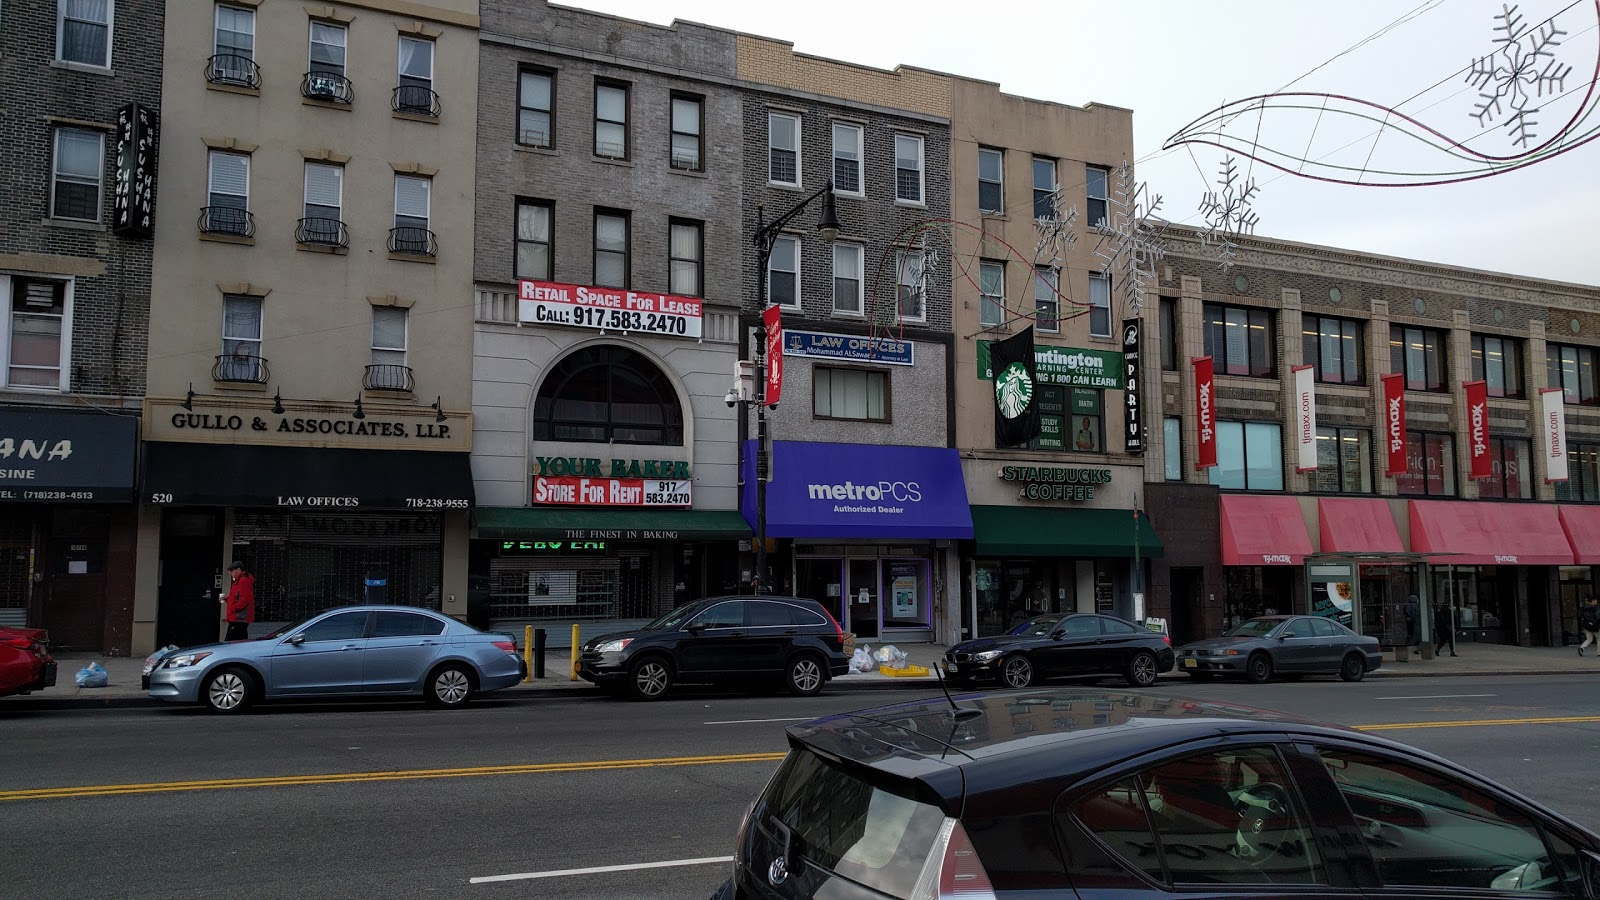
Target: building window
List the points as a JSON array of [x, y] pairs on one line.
[[907, 168], [1344, 461], [83, 32], [389, 336], [80, 161], [227, 193], [327, 54], [847, 278], [1333, 349], [1044, 189], [1249, 456], [992, 284], [610, 120], [1583, 474], [1510, 470], [783, 149], [859, 394], [414, 91], [1085, 420], [1497, 362], [533, 240], [1573, 370], [241, 340], [610, 249], [912, 277], [688, 122], [234, 46], [323, 221], [1099, 305], [685, 251], [1172, 448], [38, 329], [1240, 341], [1169, 334], [1096, 183], [847, 152], [607, 394], [991, 181], [1417, 353], [536, 109], [1046, 299], [413, 197], [783, 272], [1430, 466]]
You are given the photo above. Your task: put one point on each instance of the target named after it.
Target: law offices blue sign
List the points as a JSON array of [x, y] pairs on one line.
[[850, 347], [860, 491]]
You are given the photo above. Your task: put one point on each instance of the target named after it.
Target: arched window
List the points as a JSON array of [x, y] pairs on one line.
[[606, 393]]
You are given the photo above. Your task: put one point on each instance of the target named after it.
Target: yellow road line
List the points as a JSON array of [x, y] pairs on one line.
[[1469, 723]]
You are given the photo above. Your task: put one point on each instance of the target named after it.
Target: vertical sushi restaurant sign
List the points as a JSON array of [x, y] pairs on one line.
[[135, 194]]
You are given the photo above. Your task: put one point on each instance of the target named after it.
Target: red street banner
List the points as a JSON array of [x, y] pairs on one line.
[[1394, 423], [1478, 427], [1205, 415], [772, 317]]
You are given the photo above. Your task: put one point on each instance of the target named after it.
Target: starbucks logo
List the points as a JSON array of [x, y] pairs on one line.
[[1013, 390]]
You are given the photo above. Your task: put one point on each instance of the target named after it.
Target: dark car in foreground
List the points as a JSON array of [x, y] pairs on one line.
[[1095, 794], [1056, 646], [25, 662], [720, 640], [1292, 646], [350, 651]]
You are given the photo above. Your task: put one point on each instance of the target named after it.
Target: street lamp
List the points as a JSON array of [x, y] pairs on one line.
[[766, 238]]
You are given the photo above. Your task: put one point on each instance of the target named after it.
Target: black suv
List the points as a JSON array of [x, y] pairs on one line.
[[722, 639]]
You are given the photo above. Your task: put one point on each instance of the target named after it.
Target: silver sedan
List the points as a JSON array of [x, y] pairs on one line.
[[1292, 646]]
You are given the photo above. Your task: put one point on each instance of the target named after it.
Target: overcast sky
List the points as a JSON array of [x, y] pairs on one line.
[[1172, 61]]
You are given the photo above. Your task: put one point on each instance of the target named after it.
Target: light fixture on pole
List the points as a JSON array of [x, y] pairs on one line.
[[766, 237], [277, 403], [359, 413], [438, 409], [188, 399]]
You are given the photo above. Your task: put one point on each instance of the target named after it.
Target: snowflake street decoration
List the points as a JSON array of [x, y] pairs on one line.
[[1512, 71], [1056, 237], [1132, 238], [1228, 214]]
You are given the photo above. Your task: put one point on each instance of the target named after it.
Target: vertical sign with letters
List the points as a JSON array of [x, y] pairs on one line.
[[1132, 413], [1554, 426], [1305, 418], [772, 317], [1394, 424], [135, 194], [1478, 428], [1205, 415]]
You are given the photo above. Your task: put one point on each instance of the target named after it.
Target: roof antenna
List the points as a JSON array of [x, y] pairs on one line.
[[956, 712]]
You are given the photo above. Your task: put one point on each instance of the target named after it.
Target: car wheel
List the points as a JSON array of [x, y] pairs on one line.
[[1259, 669], [228, 690], [1354, 668], [449, 687], [1142, 670], [804, 677], [1017, 672], [649, 678]]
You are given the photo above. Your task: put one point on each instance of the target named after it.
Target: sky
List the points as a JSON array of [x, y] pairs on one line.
[[1172, 62]]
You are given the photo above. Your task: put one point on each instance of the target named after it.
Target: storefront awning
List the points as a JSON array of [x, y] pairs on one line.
[[66, 455], [868, 491], [1351, 526], [1582, 526], [1263, 531], [580, 524], [305, 477], [1475, 533], [1053, 531]]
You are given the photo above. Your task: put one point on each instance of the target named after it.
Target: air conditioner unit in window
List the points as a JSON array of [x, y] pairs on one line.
[[321, 86]]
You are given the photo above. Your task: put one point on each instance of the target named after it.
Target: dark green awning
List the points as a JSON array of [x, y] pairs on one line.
[[582, 524], [1045, 531]]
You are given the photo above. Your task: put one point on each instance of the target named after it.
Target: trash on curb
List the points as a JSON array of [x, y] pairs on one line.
[[861, 661], [92, 676], [890, 657]]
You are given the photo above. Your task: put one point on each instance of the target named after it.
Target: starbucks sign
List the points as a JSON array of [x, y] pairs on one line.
[[1055, 482], [1013, 390]]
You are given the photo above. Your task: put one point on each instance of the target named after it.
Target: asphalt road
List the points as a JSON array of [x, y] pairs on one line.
[[101, 803]]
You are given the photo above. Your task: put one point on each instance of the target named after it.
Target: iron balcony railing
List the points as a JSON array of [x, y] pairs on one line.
[[229, 220], [412, 240], [416, 100], [330, 86], [389, 378], [240, 368], [323, 232], [233, 69]]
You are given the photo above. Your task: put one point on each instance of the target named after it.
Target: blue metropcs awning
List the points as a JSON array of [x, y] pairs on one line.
[[822, 491]]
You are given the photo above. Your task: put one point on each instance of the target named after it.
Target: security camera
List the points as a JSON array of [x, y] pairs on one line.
[[731, 400]]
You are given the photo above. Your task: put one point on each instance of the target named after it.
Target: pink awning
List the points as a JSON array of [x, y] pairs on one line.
[[1582, 526], [1263, 531], [1472, 533], [1357, 526]]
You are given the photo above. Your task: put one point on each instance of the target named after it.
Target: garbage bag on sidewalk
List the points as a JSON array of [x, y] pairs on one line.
[[92, 675], [862, 662], [150, 661], [890, 657]]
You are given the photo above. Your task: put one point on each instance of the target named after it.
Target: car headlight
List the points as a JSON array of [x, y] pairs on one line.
[[184, 661], [613, 646], [987, 655]]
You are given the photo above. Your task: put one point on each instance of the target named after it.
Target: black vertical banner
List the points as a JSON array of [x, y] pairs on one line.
[[1132, 414], [1016, 408], [135, 190]]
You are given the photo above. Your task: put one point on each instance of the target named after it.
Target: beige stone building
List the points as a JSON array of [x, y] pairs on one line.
[[310, 349]]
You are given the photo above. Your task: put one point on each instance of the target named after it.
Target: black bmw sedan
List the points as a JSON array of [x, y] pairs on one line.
[[1056, 646]]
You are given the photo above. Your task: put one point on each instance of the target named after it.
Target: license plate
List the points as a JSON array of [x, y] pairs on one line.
[[1190, 663]]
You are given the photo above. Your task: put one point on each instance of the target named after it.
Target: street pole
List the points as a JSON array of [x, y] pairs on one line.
[[1138, 569]]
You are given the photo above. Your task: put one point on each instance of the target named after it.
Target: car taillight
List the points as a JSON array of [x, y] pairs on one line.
[[508, 646], [1166, 639], [838, 629], [953, 870], [21, 643]]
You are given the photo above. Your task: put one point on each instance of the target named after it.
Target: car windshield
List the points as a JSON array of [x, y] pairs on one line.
[[1255, 628], [290, 628], [1036, 627], [672, 619]]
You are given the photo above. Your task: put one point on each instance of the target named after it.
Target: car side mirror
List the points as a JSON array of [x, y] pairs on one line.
[[1058, 634], [696, 628], [298, 639], [1284, 637]]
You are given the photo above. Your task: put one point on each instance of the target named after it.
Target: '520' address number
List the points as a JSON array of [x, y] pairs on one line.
[[434, 503]]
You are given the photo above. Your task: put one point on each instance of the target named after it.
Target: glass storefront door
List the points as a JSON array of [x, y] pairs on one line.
[[1577, 589], [822, 580], [862, 590]]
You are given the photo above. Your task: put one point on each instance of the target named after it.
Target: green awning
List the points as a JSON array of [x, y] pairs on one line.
[[583, 524], [1044, 531]]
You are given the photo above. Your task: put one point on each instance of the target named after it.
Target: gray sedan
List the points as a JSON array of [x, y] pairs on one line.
[[359, 651], [1282, 645]]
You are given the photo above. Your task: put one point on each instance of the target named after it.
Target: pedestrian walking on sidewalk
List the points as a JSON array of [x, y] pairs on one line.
[[1444, 629], [1413, 613], [240, 600], [1589, 621]]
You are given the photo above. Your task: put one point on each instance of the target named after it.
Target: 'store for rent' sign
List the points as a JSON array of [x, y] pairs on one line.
[[614, 309]]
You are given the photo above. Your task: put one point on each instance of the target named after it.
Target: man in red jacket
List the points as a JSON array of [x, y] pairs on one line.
[[241, 602]]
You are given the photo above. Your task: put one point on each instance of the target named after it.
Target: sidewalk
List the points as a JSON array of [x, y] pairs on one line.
[[1474, 659]]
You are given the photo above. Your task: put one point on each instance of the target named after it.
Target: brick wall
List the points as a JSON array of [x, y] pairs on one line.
[[767, 61]]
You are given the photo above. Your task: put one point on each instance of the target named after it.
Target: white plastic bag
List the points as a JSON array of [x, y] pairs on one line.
[[92, 676], [890, 657], [150, 661], [862, 662]]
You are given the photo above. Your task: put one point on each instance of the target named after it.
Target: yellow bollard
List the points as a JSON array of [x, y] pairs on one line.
[[527, 652], [574, 652]]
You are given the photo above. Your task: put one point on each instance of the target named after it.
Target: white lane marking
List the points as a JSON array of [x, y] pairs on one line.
[[1434, 697], [758, 721], [594, 870]]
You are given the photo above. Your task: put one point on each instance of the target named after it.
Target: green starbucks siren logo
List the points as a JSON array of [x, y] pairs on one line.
[[1013, 390]]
